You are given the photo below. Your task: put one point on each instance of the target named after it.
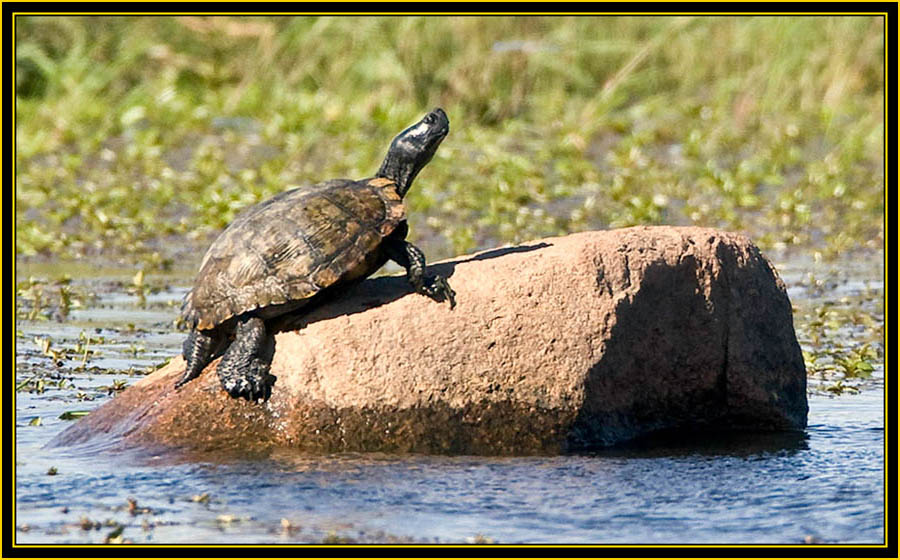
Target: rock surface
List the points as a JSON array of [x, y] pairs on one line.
[[555, 345]]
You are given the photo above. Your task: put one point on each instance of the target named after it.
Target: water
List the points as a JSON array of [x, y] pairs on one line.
[[826, 485]]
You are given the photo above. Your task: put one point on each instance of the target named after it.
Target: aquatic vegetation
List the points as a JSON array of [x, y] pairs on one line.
[[138, 138], [334, 538], [73, 414], [138, 288], [115, 536], [840, 327], [62, 356], [480, 539], [39, 299], [59, 356], [117, 386], [202, 498]]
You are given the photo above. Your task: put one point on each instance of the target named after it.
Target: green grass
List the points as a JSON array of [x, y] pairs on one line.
[[139, 138]]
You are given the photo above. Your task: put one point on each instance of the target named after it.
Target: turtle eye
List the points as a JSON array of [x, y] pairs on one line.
[[429, 118]]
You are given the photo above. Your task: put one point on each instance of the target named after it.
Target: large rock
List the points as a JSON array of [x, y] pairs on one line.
[[555, 345]]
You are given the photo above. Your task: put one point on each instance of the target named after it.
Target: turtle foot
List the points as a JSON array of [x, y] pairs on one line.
[[439, 289], [255, 385], [198, 350], [184, 379]]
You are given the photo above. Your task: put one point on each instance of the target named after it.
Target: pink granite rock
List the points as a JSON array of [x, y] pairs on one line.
[[555, 345]]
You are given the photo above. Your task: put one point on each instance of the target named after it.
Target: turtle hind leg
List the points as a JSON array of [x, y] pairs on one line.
[[244, 369], [199, 348]]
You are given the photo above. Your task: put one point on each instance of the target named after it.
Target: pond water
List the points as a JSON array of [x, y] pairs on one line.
[[826, 485]]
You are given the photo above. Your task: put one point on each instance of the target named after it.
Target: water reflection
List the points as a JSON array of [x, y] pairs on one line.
[[710, 444]]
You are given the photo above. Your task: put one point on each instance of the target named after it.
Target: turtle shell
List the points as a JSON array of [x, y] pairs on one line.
[[292, 246]]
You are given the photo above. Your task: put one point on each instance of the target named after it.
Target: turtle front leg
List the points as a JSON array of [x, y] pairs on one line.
[[199, 349], [412, 259], [244, 369]]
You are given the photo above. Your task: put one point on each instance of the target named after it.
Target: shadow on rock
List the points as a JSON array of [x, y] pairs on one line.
[[375, 292]]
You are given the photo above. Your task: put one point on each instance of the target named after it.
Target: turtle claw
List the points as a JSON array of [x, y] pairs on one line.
[[184, 379], [439, 289], [255, 385]]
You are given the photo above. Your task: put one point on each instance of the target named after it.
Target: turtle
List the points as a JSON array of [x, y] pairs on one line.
[[294, 251]]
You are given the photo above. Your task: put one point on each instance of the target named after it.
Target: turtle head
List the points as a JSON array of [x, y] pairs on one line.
[[413, 148]]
